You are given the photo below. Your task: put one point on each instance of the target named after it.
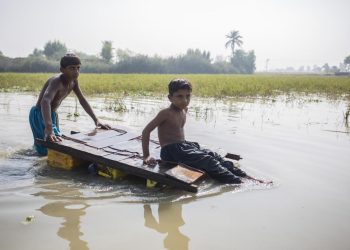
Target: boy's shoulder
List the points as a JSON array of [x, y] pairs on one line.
[[170, 113], [166, 111], [59, 80], [55, 79]]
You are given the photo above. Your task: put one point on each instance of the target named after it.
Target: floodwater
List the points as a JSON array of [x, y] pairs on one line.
[[301, 143]]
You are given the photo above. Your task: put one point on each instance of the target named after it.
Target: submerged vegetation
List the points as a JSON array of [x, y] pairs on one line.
[[204, 85], [115, 104], [346, 116]]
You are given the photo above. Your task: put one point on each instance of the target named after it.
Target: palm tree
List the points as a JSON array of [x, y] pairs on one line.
[[234, 39]]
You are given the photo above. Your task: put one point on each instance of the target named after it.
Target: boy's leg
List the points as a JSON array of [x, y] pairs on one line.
[[38, 127], [57, 120], [225, 163], [55, 124], [212, 166], [234, 170], [190, 154]]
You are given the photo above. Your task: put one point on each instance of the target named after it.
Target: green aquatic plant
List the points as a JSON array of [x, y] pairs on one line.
[[116, 105], [76, 113], [346, 116]]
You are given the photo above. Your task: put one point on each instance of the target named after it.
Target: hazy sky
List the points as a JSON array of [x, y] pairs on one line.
[[287, 32]]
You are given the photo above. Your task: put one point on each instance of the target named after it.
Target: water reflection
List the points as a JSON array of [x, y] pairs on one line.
[[70, 211], [169, 221]]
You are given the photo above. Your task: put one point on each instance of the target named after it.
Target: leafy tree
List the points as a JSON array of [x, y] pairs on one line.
[[347, 63], [37, 53], [316, 69], [199, 54], [5, 62], [334, 69], [107, 51], [234, 38], [54, 50], [140, 64], [326, 68], [193, 61], [88, 58], [244, 62], [124, 54]]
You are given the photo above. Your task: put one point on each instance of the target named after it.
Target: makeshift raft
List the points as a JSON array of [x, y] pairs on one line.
[[117, 152]]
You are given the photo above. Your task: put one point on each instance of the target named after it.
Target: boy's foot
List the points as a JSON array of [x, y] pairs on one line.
[[223, 175], [230, 179], [235, 180], [233, 169]]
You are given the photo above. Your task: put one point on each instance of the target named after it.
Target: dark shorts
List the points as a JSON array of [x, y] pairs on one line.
[[191, 154]]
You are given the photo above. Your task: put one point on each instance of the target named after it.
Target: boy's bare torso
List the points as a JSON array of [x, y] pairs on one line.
[[60, 87], [171, 130]]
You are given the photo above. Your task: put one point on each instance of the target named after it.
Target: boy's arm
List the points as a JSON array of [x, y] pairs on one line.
[[45, 105], [86, 106], [146, 136]]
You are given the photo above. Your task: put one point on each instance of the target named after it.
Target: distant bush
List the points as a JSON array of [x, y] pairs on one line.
[[194, 61]]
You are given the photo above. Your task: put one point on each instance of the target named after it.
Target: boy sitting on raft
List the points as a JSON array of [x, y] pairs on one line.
[[170, 123], [43, 118]]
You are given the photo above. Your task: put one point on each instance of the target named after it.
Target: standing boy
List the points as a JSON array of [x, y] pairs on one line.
[[170, 123], [43, 118]]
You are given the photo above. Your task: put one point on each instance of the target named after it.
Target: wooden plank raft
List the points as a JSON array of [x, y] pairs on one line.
[[122, 150]]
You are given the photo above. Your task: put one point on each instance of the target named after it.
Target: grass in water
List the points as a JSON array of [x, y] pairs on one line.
[[346, 116], [203, 85], [116, 104]]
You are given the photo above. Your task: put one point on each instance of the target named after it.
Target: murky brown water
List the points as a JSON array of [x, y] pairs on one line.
[[300, 143]]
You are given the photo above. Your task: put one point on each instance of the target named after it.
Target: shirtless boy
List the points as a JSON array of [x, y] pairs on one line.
[[170, 123], [43, 118]]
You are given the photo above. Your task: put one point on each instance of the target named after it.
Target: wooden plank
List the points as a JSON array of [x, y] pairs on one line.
[[82, 147], [95, 135], [185, 173], [116, 157], [109, 141], [97, 156], [130, 151], [103, 143], [145, 172], [131, 146]]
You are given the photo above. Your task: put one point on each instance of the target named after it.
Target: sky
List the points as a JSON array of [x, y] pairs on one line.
[[287, 33]]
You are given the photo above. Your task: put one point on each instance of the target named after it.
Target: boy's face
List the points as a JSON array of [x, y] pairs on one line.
[[180, 98], [71, 71]]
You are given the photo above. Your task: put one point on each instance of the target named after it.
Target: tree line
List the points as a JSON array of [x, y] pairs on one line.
[[112, 60]]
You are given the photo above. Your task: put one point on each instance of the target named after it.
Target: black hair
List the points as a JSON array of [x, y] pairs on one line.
[[70, 59], [177, 84]]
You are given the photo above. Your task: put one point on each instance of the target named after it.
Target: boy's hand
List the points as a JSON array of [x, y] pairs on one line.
[[49, 136], [150, 161], [101, 125]]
